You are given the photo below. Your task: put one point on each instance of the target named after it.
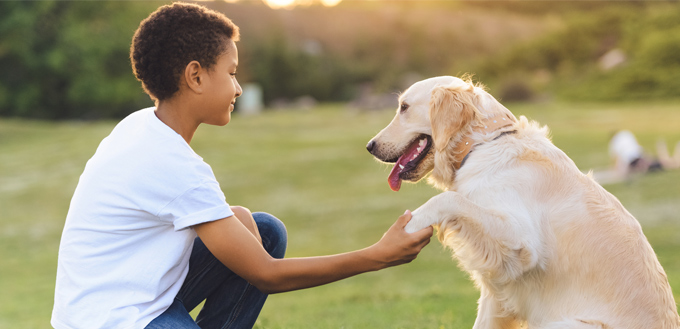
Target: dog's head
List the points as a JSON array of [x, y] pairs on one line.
[[433, 117]]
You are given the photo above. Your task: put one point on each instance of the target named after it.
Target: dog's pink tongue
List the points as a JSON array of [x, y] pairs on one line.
[[393, 179]]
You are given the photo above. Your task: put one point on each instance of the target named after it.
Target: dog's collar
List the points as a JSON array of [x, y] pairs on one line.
[[490, 125], [497, 137]]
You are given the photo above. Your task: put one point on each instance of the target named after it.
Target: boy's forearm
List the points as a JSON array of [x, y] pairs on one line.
[[394, 248], [230, 241], [299, 273]]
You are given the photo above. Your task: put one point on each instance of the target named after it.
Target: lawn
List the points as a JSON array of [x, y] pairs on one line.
[[310, 168]]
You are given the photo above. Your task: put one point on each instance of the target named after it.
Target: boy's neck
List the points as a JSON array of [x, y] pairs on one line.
[[176, 114]]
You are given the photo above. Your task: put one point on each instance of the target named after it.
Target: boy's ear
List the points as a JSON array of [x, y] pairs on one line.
[[193, 76]]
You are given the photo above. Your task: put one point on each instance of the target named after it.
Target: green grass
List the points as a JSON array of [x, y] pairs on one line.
[[310, 169]]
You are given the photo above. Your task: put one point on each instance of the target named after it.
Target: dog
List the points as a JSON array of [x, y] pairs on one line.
[[546, 245]]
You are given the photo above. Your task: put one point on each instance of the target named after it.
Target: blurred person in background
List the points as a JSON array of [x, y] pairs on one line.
[[630, 158]]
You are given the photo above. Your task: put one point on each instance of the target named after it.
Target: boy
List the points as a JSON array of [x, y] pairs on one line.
[[149, 234]]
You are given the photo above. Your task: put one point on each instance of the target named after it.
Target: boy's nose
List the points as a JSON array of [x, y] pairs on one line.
[[239, 90]]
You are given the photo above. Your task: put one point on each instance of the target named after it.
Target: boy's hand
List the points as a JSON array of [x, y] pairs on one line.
[[398, 247]]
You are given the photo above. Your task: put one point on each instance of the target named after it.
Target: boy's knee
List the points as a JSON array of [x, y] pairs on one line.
[[241, 211], [273, 233], [246, 217]]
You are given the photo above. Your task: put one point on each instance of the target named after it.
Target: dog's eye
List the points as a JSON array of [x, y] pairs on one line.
[[403, 107]]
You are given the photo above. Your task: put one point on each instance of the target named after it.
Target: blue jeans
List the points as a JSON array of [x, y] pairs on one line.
[[230, 301]]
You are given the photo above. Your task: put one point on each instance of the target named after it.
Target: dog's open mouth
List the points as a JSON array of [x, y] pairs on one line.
[[408, 161]]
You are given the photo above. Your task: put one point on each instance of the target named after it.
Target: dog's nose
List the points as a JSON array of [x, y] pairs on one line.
[[370, 145]]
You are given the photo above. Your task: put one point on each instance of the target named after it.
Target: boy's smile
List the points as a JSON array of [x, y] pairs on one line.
[[221, 88]]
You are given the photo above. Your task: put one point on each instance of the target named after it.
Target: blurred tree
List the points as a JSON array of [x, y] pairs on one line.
[[287, 72], [68, 59], [647, 33]]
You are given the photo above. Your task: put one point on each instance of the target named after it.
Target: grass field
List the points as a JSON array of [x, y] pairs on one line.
[[310, 168]]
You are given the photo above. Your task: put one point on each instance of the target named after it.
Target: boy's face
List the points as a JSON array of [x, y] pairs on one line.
[[222, 88]]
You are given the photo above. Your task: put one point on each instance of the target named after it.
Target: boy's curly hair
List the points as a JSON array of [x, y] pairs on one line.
[[172, 37]]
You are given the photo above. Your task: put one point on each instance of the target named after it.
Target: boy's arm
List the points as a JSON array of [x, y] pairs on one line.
[[234, 245], [246, 218]]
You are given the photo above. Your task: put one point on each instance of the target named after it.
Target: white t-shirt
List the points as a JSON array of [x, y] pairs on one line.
[[125, 249], [625, 149]]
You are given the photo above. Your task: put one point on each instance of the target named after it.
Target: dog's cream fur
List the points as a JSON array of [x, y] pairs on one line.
[[547, 246]]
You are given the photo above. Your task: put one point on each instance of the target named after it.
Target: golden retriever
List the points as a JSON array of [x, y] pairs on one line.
[[547, 246]]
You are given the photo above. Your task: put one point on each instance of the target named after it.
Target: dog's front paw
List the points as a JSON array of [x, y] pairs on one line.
[[419, 220], [410, 227]]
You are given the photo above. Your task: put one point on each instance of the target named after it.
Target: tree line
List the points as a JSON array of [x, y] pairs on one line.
[[70, 59]]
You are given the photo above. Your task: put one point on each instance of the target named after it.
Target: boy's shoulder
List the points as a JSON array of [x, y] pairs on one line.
[[143, 129], [142, 154], [144, 143], [135, 119]]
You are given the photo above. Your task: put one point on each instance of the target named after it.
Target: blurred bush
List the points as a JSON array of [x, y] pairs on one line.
[[285, 72], [68, 59], [514, 90], [648, 35], [360, 44]]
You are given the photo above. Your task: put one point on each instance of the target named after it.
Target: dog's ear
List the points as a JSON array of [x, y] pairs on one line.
[[452, 109]]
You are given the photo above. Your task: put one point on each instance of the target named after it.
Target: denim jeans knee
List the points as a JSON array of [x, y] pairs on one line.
[[231, 301], [273, 233]]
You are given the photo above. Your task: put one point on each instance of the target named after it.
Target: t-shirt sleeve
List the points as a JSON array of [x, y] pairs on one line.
[[204, 203]]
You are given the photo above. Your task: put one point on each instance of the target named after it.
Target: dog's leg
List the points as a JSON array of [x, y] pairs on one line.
[[424, 216], [484, 240], [439, 209], [489, 314]]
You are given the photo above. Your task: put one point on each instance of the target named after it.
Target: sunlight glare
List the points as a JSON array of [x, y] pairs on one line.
[[289, 4], [276, 4], [330, 3]]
